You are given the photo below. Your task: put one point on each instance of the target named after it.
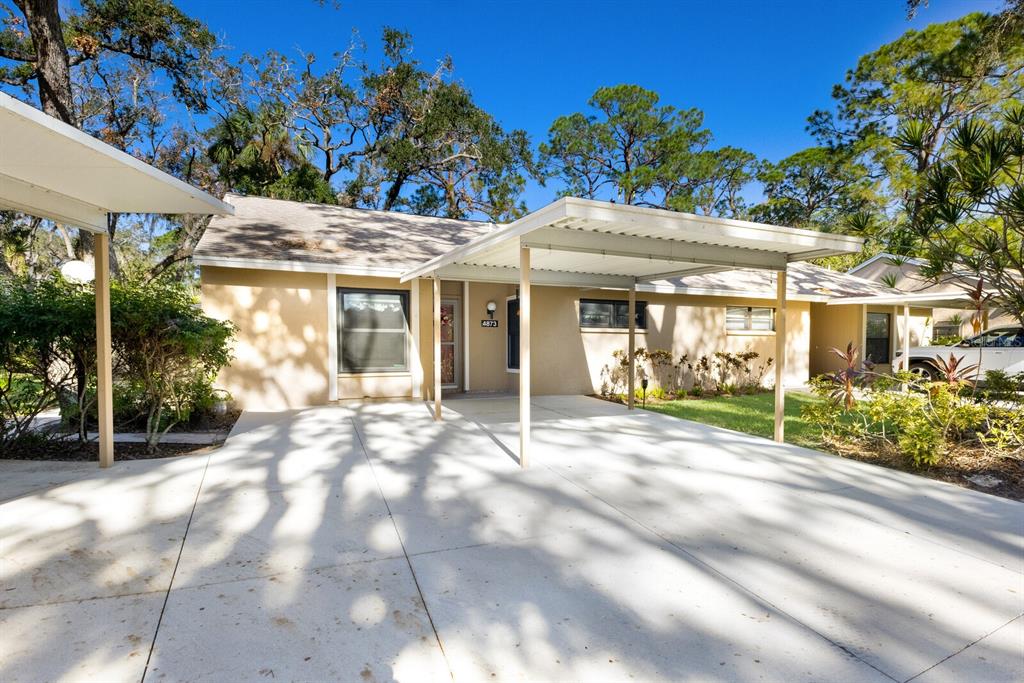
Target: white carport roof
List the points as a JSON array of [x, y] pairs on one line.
[[600, 244], [921, 299], [53, 170]]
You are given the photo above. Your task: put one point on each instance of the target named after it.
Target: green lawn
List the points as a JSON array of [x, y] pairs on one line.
[[749, 414]]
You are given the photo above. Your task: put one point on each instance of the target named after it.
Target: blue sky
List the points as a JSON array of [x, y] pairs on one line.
[[757, 69]]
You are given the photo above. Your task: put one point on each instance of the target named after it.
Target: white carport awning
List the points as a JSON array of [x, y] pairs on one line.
[[581, 242], [919, 299], [52, 170]]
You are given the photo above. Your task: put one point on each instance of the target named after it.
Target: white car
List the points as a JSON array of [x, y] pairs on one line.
[[1001, 348]]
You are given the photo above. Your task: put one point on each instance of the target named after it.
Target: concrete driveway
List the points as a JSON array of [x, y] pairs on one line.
[[367, 543]]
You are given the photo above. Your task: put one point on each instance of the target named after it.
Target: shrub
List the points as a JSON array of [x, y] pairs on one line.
[[47, 349], [165, 353], [169, 349], [921, 423]]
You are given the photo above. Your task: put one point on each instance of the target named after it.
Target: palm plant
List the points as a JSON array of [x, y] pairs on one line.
[[953, 370], [845, 381]]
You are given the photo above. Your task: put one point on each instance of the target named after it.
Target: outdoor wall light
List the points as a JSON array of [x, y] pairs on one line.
[[491, 308]]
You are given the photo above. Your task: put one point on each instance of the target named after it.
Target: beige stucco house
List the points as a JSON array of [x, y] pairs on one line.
[[322, 312]]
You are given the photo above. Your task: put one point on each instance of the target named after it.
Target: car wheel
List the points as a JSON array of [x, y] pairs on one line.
[[925, 371]]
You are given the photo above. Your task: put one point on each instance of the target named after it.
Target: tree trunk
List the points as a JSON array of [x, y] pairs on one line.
[[53, 73], [394, 192], [115, 267]]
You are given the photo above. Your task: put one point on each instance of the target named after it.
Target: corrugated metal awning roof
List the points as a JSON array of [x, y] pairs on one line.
[[590, 243], [52, 170]]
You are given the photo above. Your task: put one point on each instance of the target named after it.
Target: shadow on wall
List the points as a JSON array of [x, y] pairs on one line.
[[280, 349], [291, 522], [698, 329]]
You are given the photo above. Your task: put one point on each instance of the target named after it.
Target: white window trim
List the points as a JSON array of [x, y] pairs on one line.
[[408, 369], [750, 331]]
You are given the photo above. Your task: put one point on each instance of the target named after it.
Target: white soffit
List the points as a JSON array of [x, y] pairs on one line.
[[53, 170], [584, 242], [924, 300]]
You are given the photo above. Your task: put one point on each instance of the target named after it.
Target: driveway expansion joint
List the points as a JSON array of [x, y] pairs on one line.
[[401, 542], [965, 647]]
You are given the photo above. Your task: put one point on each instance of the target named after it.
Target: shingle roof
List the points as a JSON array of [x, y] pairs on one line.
[[806, 280], [278, 230], [275, 231]]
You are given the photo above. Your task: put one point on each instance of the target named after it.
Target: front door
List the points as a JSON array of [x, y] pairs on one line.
[[451, 326]]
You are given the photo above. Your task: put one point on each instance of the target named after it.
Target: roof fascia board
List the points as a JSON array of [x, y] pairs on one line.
[[295, 266], [625, 213], [736, 294], [554, 278], [882, 299], [651, 249]]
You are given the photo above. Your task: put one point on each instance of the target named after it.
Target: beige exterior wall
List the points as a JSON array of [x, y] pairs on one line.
[[837, 326], [281, 348]]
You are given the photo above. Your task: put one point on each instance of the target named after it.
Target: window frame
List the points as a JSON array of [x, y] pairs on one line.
[[340, 304], [748, 320], [641, 314], [888, 337]]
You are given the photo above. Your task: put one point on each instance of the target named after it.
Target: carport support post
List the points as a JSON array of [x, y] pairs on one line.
[[632, 312], [631, 384], [780, 354], [524, 357], [437, 347], [905, 363], [104, 378]]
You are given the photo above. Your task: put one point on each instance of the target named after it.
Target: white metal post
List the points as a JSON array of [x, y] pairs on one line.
[[906, 336], [104, 375], [780, 356], [465, 335], [631, 382], [524, 357], [437, 347]]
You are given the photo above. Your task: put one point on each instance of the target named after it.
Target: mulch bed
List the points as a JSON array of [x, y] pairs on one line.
[[57, 449], [959, 464]]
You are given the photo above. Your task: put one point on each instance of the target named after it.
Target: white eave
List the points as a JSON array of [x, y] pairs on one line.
[[924, 300], [582, 242], [53, 170], [296, 266]]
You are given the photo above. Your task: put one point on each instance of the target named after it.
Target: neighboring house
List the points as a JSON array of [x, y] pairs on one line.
[[904, 274], [307, 284]]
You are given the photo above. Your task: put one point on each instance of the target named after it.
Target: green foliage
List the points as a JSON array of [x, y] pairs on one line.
[[256, 155], [47, 347], [168, 349], [950, 340], [639, 151], [971, 214], [165, 353], [818, 188], [922, 423], [896, 110]]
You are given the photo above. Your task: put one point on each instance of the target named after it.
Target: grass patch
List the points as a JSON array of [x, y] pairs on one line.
[[750, 414]]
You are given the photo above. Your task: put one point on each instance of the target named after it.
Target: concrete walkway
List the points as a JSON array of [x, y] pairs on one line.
[[365, 542]]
